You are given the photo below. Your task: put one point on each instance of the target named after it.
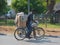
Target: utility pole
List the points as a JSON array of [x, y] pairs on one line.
[[28, 6]]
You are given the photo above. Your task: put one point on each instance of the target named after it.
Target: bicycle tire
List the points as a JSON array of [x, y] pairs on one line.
[[40, 33], [20, 35]]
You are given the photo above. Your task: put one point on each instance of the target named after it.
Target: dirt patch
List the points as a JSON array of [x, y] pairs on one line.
[[7, 29], [48, 31], [52, 31]]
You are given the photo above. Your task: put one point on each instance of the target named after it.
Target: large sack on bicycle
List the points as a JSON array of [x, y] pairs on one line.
[[20, 19]]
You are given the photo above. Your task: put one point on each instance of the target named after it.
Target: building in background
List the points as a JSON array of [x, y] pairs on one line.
[[9, 2], [57, 12]]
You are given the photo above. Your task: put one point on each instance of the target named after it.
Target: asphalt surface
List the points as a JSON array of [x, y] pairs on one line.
[[10, 40]]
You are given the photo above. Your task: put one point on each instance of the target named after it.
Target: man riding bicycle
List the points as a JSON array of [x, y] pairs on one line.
[[29, 21], [32, 26]]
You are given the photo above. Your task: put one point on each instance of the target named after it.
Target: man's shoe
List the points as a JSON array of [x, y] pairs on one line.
[[28, 37]]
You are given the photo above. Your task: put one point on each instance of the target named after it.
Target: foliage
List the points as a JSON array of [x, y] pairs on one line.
[[3, 6], [22, 5], [37, 5], [8, 8]]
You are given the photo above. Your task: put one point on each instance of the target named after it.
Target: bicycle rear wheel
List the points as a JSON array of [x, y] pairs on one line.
[[19, 34], [40, 33]]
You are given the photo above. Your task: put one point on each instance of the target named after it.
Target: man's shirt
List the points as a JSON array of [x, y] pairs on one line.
[[29, 19]]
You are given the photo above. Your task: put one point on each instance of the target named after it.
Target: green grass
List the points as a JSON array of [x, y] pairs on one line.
[[50, 25], [9, 22], [57, 1], [2, 22]]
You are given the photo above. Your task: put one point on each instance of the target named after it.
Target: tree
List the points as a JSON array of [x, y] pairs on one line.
[[22, 5], [3, 5], [37, 5], [50, 6], [19, 5]]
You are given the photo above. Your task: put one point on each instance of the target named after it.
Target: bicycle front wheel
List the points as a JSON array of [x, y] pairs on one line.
[[19, 34], [40, 33]]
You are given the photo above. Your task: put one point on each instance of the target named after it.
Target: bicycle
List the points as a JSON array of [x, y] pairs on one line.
[[37, 33]]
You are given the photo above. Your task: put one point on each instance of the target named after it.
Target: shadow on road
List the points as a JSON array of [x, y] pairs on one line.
[[2, 34], [47, 39], [52, 36]]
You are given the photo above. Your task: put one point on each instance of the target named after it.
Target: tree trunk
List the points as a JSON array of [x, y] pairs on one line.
[[50, 6]]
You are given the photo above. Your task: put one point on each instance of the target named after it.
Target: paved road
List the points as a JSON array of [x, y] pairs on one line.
[[10, 40]]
